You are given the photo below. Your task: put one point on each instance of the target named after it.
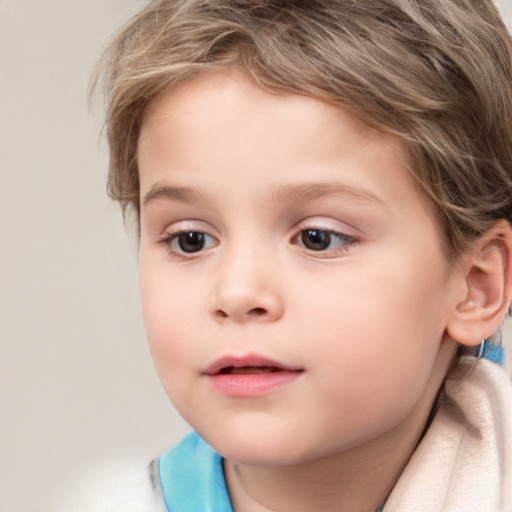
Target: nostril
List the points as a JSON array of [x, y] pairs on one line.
[[257, 311], [254, 312]]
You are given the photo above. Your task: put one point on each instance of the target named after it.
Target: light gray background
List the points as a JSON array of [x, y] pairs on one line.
[[77, 385]]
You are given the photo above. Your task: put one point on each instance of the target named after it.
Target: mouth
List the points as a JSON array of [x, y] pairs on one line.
[[250, 376], [247, 370], [246, 365]]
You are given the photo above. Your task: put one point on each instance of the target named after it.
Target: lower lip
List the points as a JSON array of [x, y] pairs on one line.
[[252, 384]]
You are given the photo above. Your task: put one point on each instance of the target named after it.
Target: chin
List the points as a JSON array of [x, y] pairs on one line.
[[257, 449]]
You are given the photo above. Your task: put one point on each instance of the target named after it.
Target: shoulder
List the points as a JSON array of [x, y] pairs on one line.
[[187, 477], [123, 486]]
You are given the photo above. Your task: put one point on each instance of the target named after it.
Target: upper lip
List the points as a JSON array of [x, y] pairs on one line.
[[251, 360]]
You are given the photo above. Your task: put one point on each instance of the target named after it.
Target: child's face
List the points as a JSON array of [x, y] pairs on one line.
[[278, 231]]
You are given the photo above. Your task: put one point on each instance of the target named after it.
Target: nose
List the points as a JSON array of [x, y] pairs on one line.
[[246, 292]]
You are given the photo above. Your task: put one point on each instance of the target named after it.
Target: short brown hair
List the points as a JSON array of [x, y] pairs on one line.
[[437, 73]]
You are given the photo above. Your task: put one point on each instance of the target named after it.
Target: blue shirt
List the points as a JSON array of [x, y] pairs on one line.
[[192, 478]]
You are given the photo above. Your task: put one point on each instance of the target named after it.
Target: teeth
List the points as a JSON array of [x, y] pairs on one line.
[[245, 370]]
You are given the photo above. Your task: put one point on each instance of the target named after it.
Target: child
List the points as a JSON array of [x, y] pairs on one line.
[[323, 194]]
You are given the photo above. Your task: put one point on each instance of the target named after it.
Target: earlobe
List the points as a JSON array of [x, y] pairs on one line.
[[487, 271]]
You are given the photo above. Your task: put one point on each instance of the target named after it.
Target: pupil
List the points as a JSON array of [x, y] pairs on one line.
[[316, 239], [192, 241]]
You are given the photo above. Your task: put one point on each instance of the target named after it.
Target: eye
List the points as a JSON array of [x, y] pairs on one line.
[[191, 241], [322, 239], [188, 242]]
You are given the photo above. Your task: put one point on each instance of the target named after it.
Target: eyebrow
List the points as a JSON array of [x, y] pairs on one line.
[[161, 191], [311, 191], [281, 193]]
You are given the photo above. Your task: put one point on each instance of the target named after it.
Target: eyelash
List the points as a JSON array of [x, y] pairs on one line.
[[171, 238]]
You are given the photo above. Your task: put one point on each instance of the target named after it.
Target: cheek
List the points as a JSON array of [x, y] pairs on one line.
[[373, 308], [169, 324], [378, 330]]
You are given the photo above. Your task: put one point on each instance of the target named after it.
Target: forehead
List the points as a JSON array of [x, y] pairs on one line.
[[206, 104], [218, 122], [231, 86]]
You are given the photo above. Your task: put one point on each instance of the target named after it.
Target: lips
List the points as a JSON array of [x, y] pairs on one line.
[[249, 376]]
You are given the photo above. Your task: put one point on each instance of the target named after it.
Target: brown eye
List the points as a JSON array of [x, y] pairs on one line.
[[316, 239], [187, 243], [326, 242], [191, 241]]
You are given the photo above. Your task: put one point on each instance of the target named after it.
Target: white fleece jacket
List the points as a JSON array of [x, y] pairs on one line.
[[463, 463]]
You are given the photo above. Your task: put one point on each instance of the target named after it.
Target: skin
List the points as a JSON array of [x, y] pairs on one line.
[[364, 319]]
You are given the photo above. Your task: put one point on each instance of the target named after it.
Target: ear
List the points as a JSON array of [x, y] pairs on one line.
[[487, 273]]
